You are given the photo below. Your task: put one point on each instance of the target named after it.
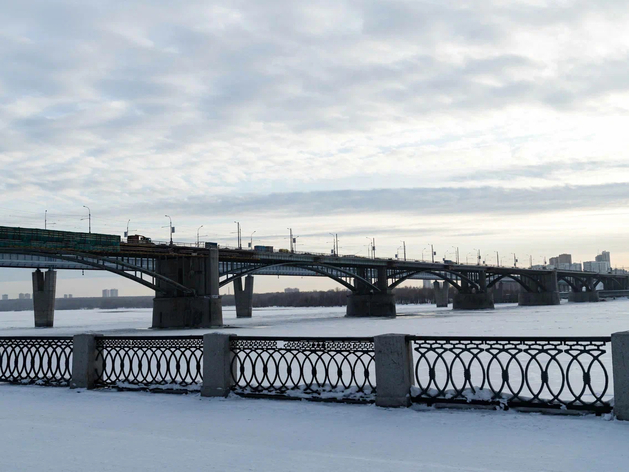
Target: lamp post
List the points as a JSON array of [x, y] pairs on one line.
[[198, 229], [335, 243], [290, 235], [515, 259], [456, 254], [239, 234], [478, 258], [404, 246], [126, 233], [171, 229], [89, 217], [45, 219], [497, 259], [432, 253], [251, 241]]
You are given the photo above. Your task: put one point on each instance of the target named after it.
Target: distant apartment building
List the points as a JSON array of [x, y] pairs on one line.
[[106, 293], [113, 292], [596, 266], [21, 296], [560, 259], [603, 257], [291, 290], [5, 297]]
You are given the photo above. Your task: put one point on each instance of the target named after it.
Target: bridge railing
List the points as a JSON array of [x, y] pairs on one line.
[[173, 362], [560, 372], [341, 368], [39, 360]]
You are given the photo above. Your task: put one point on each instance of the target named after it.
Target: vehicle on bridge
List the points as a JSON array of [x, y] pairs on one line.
[[50, 239]]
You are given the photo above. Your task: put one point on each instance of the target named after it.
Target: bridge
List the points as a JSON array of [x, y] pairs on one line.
[[186, 279]]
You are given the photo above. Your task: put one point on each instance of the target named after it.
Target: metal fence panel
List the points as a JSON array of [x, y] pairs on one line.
[[134, 361], [46, 361], [333, 368], [568, 373]]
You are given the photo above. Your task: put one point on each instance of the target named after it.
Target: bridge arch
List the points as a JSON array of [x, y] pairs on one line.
[[319, 268], [517, 278], [437, 274], [113, 265]]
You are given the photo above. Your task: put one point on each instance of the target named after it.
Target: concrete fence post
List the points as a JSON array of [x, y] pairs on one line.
[[394, 368], [217, 364], [620, 363], [85, 370]]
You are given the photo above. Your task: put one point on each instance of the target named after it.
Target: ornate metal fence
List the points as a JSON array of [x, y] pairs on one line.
[[569, 373], [324, 368], [46, 361], [175, 362]]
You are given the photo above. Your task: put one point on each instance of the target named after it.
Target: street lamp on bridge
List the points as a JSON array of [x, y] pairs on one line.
[[171, 227], [251, 240], [198, 229], [89, 218]]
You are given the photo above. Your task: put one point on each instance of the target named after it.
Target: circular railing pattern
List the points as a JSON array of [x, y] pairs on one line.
[[36, 360], [311, 366], [552, 372], [147, 362]]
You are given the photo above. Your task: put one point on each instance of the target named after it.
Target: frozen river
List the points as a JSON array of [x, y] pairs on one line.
[[568, 319]]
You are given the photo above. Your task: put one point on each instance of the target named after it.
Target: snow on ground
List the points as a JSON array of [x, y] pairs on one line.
[[568, 319], [57, 429]]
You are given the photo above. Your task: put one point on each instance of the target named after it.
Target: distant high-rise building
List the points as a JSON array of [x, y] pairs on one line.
[[603, 257], [5, 297], [106, 293], [21, 296], [291, 290], [596, 266], [113, 292], [65, 295], [69, 295], [562, 261], [427, 283]]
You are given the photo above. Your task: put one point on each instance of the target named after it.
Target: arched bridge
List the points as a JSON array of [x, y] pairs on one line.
[[186, 280]]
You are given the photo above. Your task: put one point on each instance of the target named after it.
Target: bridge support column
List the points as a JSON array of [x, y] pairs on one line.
[[371, 304], [549, 295], [44, 289], [244, 298], [177, 310], [583, 297], [473, 301], [441, 294]]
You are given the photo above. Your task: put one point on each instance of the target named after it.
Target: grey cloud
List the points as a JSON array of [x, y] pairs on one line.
[[409, 201]]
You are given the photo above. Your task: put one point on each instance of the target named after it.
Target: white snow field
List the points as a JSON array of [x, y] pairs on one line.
[[58, 429]]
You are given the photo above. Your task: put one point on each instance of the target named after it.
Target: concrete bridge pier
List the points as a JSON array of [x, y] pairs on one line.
[[176, 309], [537, 296], [244, 298], [472, 299], [583, 297], [440, 294], [44, 290], [366, 302]]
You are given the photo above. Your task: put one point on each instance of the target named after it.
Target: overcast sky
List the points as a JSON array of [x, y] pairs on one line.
[[491, 125]]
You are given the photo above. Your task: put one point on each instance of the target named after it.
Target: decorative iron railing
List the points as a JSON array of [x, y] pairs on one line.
[[564, 372], [324, 368], [38, 360], [174, 362]]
